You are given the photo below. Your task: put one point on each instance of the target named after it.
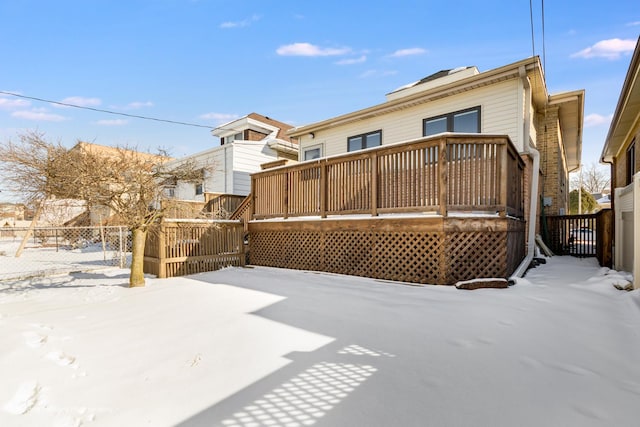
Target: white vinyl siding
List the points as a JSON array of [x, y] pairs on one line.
[[228, 169], [247, 158], [499, 115]]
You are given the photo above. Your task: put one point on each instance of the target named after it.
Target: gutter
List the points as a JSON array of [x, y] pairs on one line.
[[535, 174]]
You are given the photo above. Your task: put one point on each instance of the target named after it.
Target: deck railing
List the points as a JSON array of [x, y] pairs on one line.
[[440, 174]]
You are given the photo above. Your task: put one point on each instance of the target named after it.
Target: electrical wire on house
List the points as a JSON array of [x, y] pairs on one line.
[[100, 110]]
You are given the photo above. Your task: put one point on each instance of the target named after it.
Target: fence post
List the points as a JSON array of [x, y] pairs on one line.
[[162, 248], [123, 246]]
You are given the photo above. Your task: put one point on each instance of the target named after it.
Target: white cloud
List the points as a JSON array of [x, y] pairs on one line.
[[408, 52], [137, 105], [594, 119], [218, 117], [609, 49], [80, 101], [633, 24], [113, 122], [240, 24], [12, 104], [307, 49], [351, 61], [41, 116]]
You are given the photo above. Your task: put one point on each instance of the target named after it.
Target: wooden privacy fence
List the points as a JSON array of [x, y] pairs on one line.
[[450, 172], [179, 248], [581, 235]]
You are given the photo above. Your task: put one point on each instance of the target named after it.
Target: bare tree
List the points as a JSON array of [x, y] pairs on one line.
[[126, 181], [595, 178]]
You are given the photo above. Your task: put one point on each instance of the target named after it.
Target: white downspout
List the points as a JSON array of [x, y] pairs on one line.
[[535, 173]]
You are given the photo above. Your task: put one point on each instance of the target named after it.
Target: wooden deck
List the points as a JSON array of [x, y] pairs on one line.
[[436, 210], [452, 173]]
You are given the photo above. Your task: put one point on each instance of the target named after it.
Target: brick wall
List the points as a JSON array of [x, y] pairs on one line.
[[555, 177]]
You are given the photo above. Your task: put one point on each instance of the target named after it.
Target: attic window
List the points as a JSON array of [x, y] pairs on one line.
[[229, 139], [463, 121]]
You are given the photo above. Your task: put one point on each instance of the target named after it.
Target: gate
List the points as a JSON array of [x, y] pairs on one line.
[[581, 235]]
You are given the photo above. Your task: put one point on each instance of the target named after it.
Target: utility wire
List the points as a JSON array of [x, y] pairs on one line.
[[107, 111], [544, 53], [533, 43]]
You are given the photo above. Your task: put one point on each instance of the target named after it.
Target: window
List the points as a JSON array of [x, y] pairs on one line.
[[170, 192], [464, 121], [198, 189], [313, 153], [631, 162], [229, 139], [366, 140]]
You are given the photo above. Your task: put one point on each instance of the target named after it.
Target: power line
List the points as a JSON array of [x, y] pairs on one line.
[[533, 43], [544, 53], [99, 110]]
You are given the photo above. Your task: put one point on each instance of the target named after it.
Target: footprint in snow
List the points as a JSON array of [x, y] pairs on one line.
[[24, 398], [61, 358], [34, 339]]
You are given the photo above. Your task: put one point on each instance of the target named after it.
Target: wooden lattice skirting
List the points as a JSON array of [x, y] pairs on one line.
[[430, 250]]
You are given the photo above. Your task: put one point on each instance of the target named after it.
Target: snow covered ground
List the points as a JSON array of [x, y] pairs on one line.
[[41, 261], [246, 347]]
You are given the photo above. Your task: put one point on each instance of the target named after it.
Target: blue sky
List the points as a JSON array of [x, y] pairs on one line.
[[208, 62]]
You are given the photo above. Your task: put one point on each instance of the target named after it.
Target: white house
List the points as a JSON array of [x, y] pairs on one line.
[[245, 144]]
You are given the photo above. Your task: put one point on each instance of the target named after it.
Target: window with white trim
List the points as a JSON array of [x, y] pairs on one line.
[[311, 153]]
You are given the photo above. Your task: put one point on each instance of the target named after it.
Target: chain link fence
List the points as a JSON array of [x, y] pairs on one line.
[[51, 250]]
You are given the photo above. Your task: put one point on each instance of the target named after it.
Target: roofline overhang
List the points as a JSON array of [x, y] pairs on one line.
[[532, 65], [571, 117], [627, 111]]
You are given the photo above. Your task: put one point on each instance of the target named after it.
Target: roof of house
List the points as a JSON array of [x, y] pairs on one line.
[[256, 119], [450, 82], [531, 65], [114, 151], [627, 111]]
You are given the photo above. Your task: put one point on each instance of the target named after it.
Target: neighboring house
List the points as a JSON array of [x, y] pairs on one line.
[[103, 214], [511, 100], [10, 213], [245, 144], [438, 184], [621, 151]]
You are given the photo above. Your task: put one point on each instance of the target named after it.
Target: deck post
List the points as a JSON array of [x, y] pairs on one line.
[[285, 195], [442, 177], [323, 188], [503, 176], [374, 184], [252, 195]]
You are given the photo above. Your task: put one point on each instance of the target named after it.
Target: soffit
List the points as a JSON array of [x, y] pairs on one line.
[[570, 115], [627, 111]]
